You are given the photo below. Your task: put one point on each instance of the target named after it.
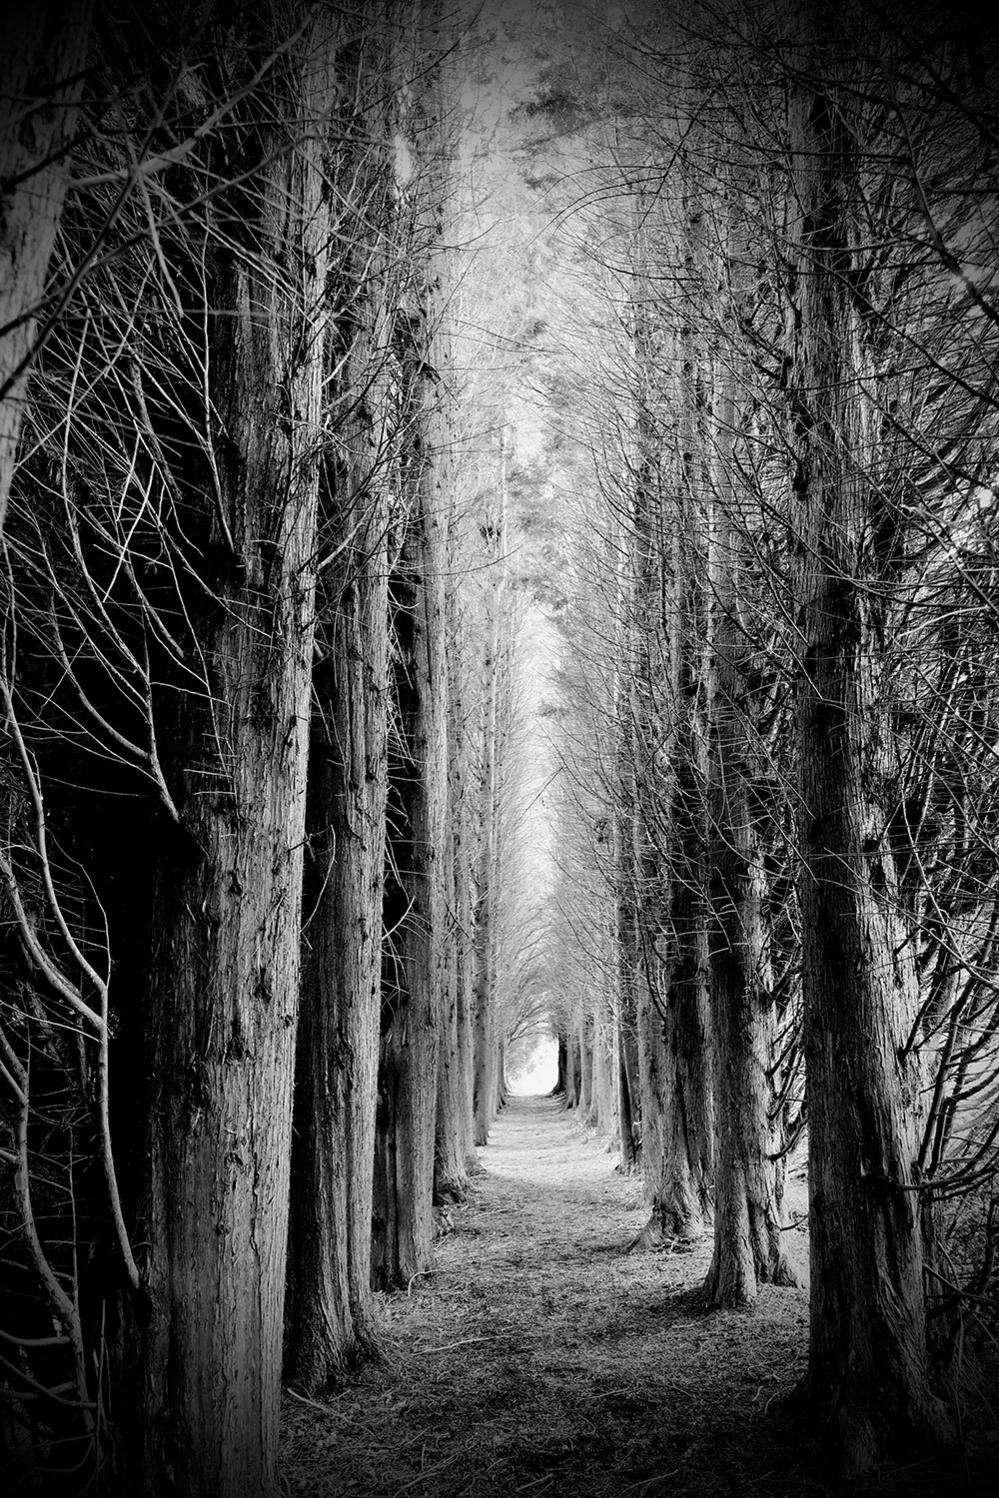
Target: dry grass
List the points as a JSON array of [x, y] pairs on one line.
[[540, 1358]]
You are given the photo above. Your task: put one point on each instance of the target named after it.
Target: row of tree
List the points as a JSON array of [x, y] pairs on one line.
[[251, 795], [267, 686], [778, 703]]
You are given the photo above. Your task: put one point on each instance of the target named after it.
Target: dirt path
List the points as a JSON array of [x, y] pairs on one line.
[[541, 1358]]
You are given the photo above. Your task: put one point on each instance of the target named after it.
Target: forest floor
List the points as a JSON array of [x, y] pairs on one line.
[[540, 1358]]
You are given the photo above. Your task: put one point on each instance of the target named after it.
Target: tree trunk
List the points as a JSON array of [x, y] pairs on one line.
[[584, 1034], [337, 1054], [486, 1059], [626, 1036], [223, 991], [465, 957], [411, 998], [676, 1104], [484, 1044], [455, 1151], [415, 908], [450, 1172], [748, 1183], [571, 1069], [867, 1386], [502, 1090], [41, 82], [668, 818], [602, 1104]]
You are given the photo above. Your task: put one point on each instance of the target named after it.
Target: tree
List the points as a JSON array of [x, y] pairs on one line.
[[164, 592], [748, 1175], [223, 995], [41, 85], [868, 1379], [486, 881], [415, 913], [331, 1312]]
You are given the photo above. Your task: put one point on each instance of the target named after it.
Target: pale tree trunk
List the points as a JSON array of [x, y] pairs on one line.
[[748, 1181], [42, 60], [223, 990], [464, 837], [454, 1148], [867, 1384], [484, 1044], [485, 1039], [330, 1326], [602, 1104]]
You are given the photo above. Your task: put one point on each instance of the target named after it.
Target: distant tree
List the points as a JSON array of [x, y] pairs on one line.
[[486, 882], [455, 1156]]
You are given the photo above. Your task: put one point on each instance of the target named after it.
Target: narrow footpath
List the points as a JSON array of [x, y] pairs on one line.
[[542, 1358]]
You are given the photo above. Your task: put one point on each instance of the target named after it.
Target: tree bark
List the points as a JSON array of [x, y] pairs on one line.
[[415, 904], [584, 1037], [677, 1150], [456, 1156], [626, 1029], [561, 1073], [486, 1049], [571, 1069], [604, 1077], [223, 990], [868, 1387], [337, 1055], [668, 821], [411, 996], [748, 1182], [41, 83]]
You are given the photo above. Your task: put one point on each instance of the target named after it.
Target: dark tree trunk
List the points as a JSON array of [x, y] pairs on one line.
[[748, 1181], [868, 1386], [573, 1091], [668, 816], [677, 1156], [562, 1070], [626, 1035]]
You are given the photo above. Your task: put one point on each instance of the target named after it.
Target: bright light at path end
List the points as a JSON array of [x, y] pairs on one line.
[[539, 1072]]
